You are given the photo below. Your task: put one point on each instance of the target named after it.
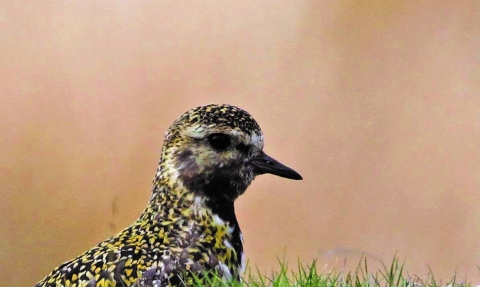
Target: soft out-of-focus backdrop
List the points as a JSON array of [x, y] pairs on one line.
[[375, 103]]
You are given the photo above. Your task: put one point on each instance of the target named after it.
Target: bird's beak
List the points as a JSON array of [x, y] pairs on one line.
[[266, 164]]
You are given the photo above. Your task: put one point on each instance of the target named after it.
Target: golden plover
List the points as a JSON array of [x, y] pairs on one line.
[[210, 156]]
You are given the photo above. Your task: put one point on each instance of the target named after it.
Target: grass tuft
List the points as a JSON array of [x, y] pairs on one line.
[[392, 275]]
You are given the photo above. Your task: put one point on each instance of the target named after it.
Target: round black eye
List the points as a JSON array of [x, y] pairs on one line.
[[219, 141]]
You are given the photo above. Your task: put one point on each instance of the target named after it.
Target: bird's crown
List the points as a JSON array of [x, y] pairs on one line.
[[215, 116]]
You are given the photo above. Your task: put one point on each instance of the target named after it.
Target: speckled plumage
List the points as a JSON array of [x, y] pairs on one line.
[[210, 156]]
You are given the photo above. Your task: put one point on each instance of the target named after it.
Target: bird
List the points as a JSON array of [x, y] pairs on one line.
[[209, 157]]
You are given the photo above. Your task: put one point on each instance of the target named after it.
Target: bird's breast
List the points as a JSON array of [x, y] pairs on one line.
[[228, 245], [219, 233]]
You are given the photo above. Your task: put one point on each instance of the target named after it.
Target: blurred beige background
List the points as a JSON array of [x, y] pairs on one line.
[[375, 103]]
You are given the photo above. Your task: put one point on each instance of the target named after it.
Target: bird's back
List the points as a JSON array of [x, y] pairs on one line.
[[165, 250]]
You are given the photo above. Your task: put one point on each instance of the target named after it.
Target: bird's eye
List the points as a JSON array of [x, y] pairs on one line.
[[219, 141]]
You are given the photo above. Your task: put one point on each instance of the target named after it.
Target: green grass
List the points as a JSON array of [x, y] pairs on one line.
[[392, 275]]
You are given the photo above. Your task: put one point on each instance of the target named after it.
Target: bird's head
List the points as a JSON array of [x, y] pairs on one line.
[[216, 151]]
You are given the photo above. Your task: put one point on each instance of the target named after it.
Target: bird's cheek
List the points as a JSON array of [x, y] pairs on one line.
[[188, 169]]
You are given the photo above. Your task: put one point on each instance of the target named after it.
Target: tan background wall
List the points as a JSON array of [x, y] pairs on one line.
[[376, 103]]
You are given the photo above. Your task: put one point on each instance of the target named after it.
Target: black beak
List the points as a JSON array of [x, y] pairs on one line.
[[266, 164]]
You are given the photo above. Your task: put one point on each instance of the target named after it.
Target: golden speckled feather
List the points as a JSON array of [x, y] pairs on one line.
[[210, 156]]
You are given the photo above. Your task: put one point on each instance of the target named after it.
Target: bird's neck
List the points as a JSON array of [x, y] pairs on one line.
[[169, 196], [174, 203]]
